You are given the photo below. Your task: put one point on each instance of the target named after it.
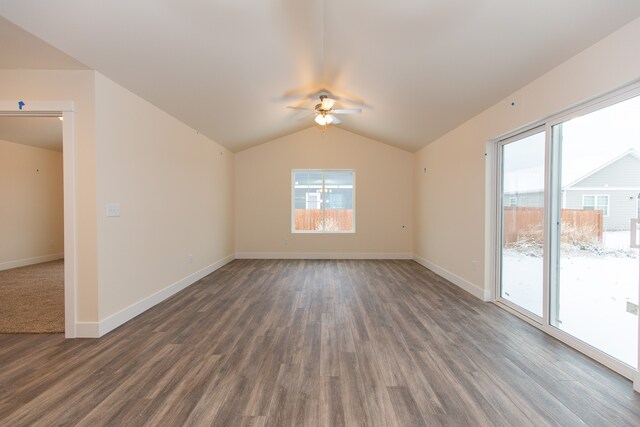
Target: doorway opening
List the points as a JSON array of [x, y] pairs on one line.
[[63, 113], [31, 225]]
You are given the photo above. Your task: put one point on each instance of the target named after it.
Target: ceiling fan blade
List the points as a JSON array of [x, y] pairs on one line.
[[336, 121], [347, 111], [299, 108], [324, 92]]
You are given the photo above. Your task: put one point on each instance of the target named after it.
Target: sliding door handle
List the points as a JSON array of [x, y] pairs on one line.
[[634, 233]]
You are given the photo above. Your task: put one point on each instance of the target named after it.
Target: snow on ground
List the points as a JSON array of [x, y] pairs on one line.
[[616, 240], [593, 293]]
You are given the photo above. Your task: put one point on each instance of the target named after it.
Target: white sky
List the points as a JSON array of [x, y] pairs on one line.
[[588, 142]]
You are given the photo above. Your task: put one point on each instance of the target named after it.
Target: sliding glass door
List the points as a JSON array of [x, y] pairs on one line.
[[568, 201], [595, 270], [522, 208]]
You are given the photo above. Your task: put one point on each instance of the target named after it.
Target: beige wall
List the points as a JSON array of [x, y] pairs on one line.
[[76, 86], [175, 190], [32, 209], [383, 195], [450, 196]]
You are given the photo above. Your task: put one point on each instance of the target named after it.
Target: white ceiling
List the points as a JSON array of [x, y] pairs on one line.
[[228, 68], [40, 132]]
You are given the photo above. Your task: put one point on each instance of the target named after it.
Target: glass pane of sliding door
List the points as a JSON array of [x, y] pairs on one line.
[[594, 279], [522, 221]]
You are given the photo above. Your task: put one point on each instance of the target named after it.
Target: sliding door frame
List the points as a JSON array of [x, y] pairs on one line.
[[500, 144], [552, 202]]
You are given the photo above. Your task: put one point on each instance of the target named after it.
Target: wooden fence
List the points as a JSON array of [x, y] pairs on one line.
[[527, 223], [334, 219]]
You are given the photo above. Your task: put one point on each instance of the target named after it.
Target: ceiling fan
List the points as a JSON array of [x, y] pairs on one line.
[[325, 113]]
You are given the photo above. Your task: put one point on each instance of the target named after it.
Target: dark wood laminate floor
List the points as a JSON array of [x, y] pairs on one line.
[[263, 342]]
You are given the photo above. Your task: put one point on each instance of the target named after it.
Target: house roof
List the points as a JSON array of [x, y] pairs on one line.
[[631, 152], [228, 69]]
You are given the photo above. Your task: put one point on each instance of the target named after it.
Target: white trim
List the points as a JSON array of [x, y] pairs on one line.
[[491, 211], [66, 109], [482, 294], [601, 189], [106, 325], [70, 230], [324, 255], [30, 261]]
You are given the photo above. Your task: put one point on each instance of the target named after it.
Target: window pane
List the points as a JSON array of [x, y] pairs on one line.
[[338, 214], [308, 200], [596, 291], [522, 222]]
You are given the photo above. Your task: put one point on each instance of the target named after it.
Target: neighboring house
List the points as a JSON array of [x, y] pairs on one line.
[[613, 187], [529, 199]]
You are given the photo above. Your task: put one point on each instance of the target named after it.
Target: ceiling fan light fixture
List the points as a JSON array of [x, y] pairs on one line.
[[324, 119], [326, 103]]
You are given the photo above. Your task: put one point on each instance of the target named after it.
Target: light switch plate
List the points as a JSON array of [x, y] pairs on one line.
[[113, 209]]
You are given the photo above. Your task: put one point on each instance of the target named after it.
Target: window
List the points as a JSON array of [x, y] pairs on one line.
[[323, 201], [513, 201], [592, 202]]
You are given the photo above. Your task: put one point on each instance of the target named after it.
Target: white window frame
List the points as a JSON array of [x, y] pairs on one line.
[[596, 206], [322, 203]]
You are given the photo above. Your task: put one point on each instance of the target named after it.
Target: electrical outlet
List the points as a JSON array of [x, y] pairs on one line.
[[50, 243], [285, 242], [474, 265], [189, 258], [113, 209]]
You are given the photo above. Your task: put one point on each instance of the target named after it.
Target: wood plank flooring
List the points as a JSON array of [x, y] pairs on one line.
[[317, 343]]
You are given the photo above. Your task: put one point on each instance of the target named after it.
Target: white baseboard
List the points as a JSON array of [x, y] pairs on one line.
[[324, 255], [98, 329], [87, 330], [477, 292], [30, 261]]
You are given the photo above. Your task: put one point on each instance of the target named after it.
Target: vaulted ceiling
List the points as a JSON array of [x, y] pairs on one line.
[[229, 68]]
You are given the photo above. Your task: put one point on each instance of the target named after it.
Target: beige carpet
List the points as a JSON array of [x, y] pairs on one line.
[[32, 299]]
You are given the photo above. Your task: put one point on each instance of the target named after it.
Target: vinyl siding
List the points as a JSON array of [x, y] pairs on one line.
[[623, 173], [622, 205], [528, 200]]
